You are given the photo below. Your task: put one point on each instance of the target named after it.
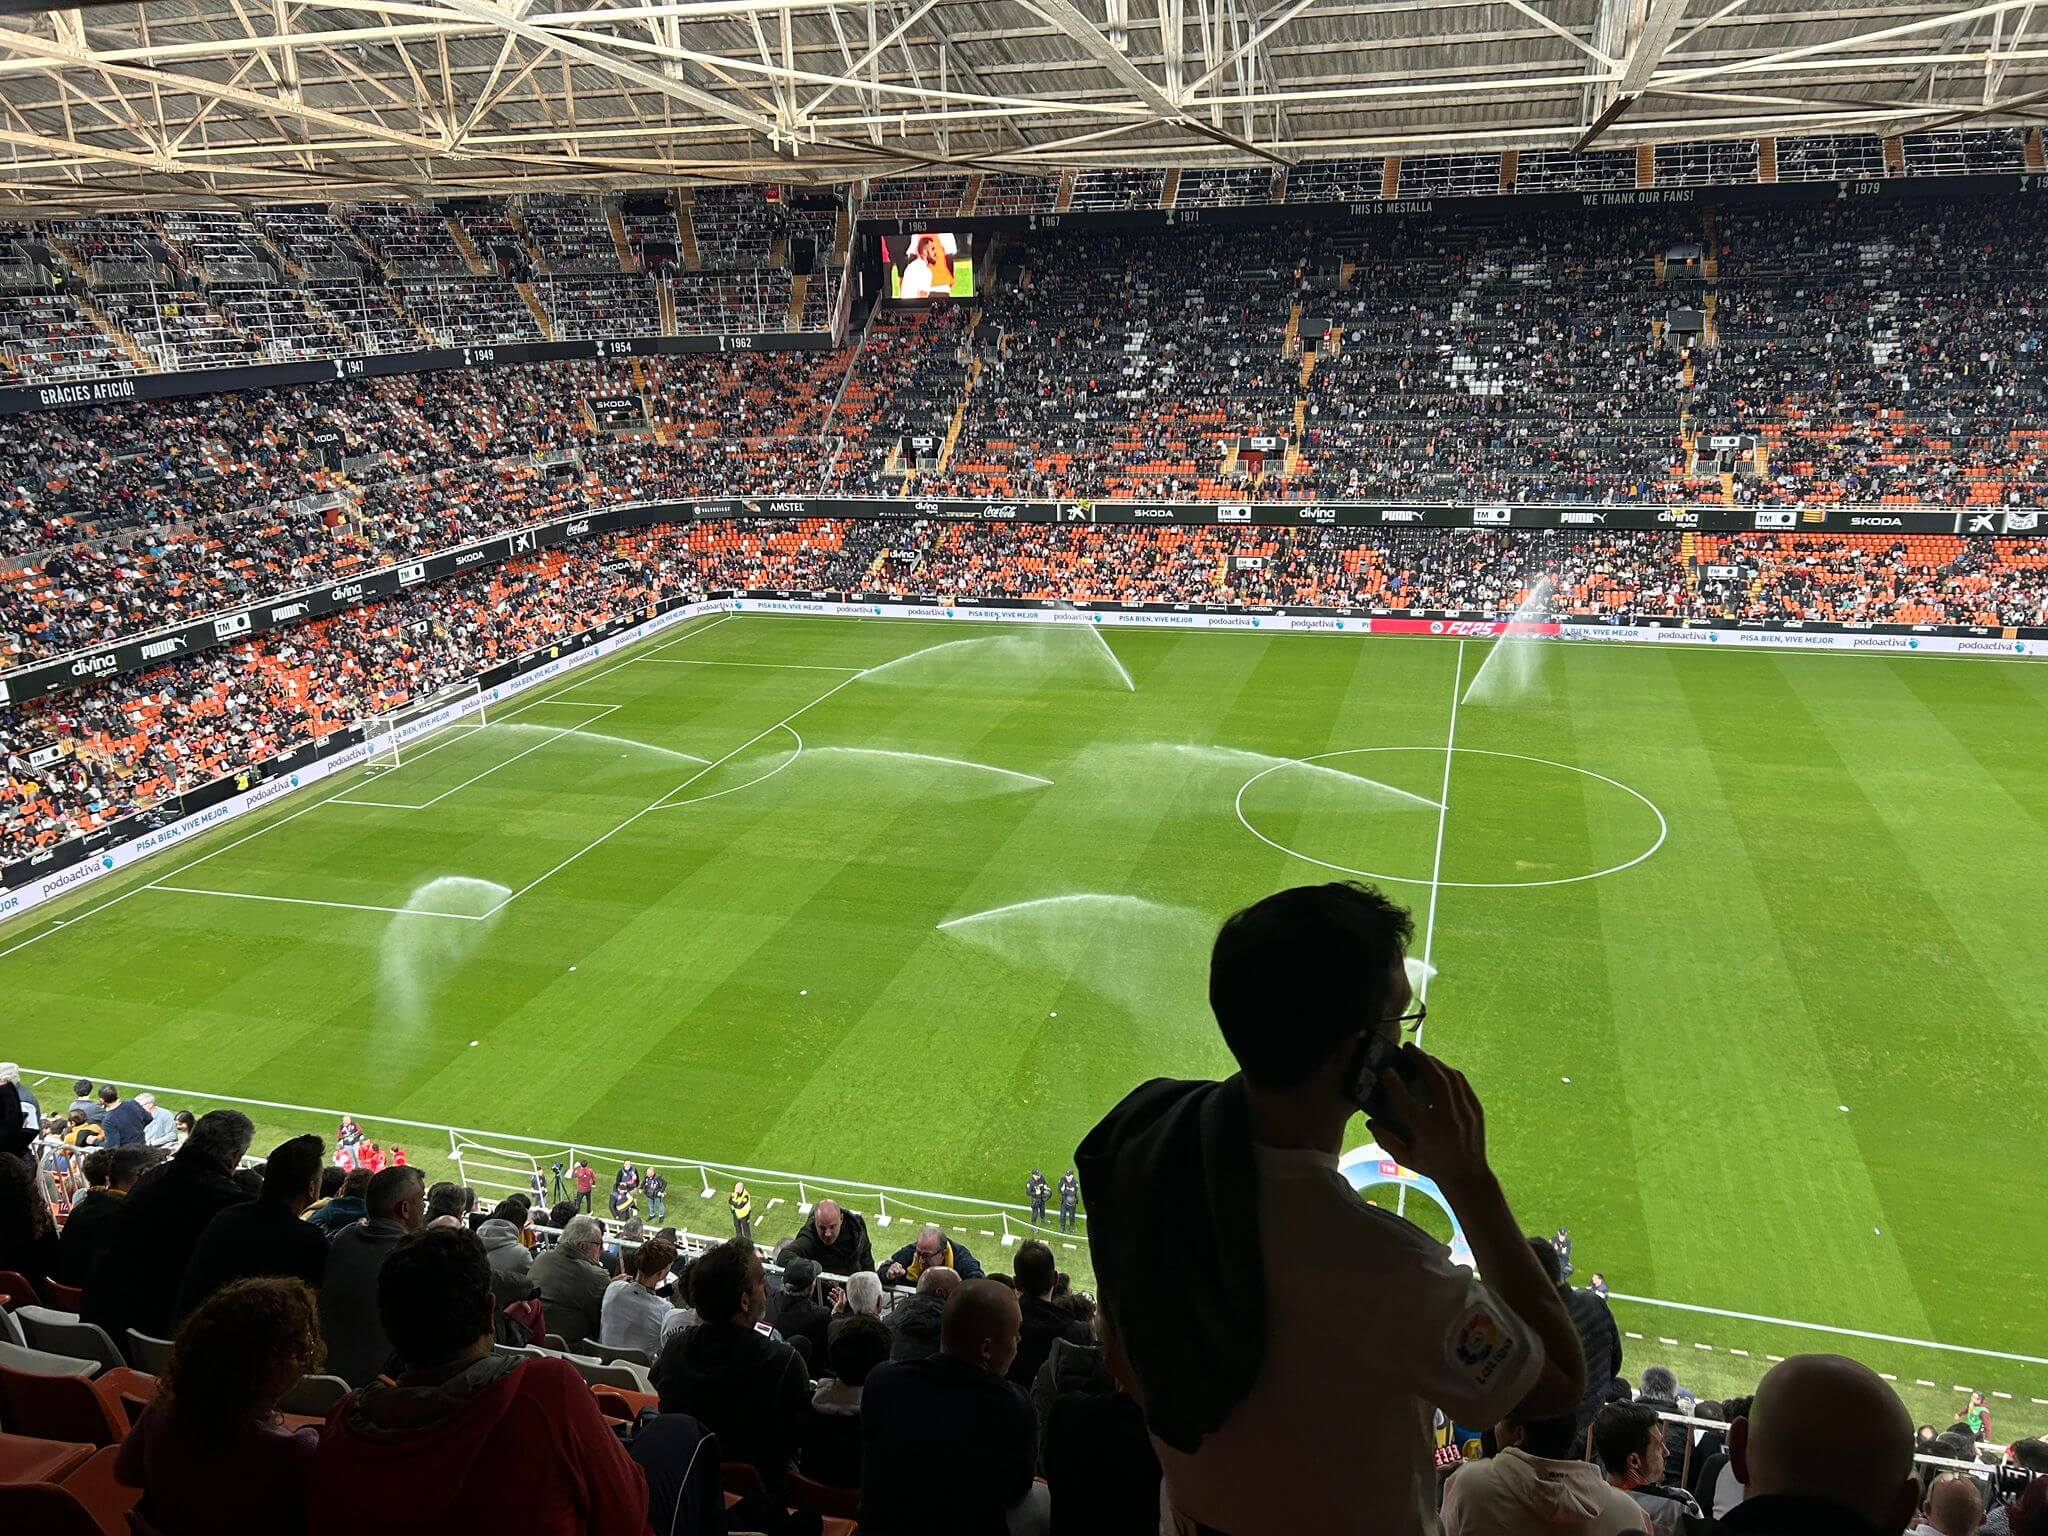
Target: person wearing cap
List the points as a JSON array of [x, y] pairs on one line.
[[797, 1313]]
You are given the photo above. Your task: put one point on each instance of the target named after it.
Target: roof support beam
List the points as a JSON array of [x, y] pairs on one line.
[[1646, 28]]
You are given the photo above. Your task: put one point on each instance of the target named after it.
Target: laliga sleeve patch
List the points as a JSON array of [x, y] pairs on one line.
[[1480, 1346]]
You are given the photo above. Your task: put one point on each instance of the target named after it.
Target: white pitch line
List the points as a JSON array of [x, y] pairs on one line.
[[1443, 816], [603, 710], [1847, 1333], [308, 901], [600, 841], [773, 666]]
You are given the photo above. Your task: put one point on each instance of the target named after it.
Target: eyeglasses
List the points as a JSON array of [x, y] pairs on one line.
[[1411, 1023]]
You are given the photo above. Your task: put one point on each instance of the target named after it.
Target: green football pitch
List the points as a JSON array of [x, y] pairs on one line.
[[1742, 950]]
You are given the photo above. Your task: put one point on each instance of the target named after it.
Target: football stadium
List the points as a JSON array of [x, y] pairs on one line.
[[1121, 767]]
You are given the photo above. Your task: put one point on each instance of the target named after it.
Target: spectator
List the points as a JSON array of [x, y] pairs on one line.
[[1825, 1446], [1069, 1369], [91, 1221], [1044, 1319], [586, 1181], [932, 1249], [752, 1391], [833, 1238], [263, 1236], [1955, 1507], [1537, 1482], [571, 1280], [950, 1433], [28, 1237], [124, 1121], [915, 1323], [2030, 1456], [20, 1115], [444, 1199], [1307, 985], [467, 1437], [85, 1102], [346, 1208], [210, 1453], [350, 1316], [162, 1134], [135, 1279], [1094, 1450], [1599, 1338], [1714, 1486], [832, 1435], [1660, 1391], [863, 1295], [1629, 1440], [632, 1314], [503, 1234], [797, 1313]]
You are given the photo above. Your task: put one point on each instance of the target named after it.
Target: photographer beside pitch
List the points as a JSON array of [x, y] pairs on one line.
[[1271, 1408]]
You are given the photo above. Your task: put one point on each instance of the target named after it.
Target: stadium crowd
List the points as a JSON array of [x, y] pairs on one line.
[[75, 761], [306, 1344]]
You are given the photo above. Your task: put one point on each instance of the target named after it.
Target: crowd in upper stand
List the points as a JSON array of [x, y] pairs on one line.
[[136, 742]]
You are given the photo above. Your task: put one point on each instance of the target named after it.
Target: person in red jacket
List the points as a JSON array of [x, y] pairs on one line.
[[431, 1452]]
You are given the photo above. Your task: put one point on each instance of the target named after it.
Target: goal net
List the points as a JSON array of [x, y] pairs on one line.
[[394, 736]]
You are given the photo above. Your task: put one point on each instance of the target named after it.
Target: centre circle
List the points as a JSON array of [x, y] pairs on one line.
[[1421, 802]]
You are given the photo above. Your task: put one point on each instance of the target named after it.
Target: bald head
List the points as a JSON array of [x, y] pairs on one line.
[[940, 1281], [826, 1220], [1825, 1427], [981, 1326], [1955, 1507]]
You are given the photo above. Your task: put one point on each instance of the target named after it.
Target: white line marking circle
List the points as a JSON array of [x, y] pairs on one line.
[[1663, 827], [671, 805]]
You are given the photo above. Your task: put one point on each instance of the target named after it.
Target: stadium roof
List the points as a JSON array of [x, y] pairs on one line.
[[115, 104]]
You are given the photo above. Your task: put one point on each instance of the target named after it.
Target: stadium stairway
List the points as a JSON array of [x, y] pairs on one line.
[[799, 285], [2036, 161], [468, 248], [102, 321], [540, 316], [1172, 191], [617, 223], [973, 194], [686, 231]]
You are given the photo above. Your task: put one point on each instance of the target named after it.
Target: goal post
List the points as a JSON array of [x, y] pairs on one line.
[[394, 735]]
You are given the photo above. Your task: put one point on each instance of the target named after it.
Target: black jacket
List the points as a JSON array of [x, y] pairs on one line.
[[86, 1231], [1197, 1343], [1100, 1466], [244, 1241], [16, 1134], [685, 1494], [1601, 1340], [134, 1281], [1781, 1515], [746, 1388], [940, 1435], [848, 1256], [799, 1317], [916, 1326], [1044, 1321]]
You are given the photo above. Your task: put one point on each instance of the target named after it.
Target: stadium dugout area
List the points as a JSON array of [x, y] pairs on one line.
[[1124, 609]]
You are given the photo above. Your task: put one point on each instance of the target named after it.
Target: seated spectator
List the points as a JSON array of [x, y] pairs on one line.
[[1660, 1392], [2030, 1455], [1044, 1319], [503, 1235], [862, 1296], [125, 1122], [346, 1208], [1099, 1464], [1537, 1482], [350, 1317], [752, 1391], [1713, 1486], [135, 1279], [1954, 1507], [832, 1435], [263, 1236], [1307, 985], [85, 1101], [933, 1249], [950, 1433], [571, 1280], [465, 1437], [836, 1240], [1599, 1337], [797, 1314], [916, 1322], [1628, 1438], [109, 1176], [210, 1453], [1070, 1368], [444, 1199], [1825, 1446], [632, 1314], [28, 1237], [162, 1134]]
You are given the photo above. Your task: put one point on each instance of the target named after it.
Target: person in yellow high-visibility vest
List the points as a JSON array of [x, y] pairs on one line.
[[742, 1213]]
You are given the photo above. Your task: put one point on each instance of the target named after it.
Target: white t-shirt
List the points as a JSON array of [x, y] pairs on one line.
[[1370, 1328], [917, 280]]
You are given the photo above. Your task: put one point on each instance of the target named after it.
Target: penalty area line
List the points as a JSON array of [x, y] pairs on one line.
[[308, 901]]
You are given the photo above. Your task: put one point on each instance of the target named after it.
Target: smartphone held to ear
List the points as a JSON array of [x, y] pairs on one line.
[[1375, 1056]]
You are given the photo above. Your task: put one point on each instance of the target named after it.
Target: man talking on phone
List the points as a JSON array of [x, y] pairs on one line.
[[1271, 1409]]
